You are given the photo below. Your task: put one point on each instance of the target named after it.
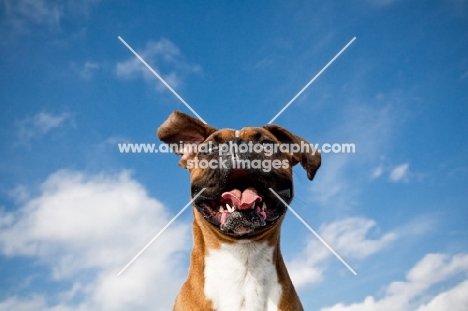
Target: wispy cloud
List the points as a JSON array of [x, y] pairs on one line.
[[39, 125], [20, 14], [83, 229], [20, 194], [394, 173], [377, 172], [87, 70], [452, 299], [165, 58], [348, 237], [30, 303], [419, 291], [400, 173]]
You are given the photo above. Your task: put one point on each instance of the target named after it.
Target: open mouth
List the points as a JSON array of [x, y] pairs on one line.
[[241, 210]]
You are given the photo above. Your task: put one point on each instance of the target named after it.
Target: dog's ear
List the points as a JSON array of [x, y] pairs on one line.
[[303, 152], [181, 130]]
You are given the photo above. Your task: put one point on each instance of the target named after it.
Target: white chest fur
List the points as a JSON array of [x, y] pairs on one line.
[[242, 277]]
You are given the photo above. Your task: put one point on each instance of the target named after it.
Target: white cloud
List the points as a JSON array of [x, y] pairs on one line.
[[23, 16], [395, 173], [454, 299], [419, 287], [21, 13], [164, 57], [348, 237], [87, 70], [83, 230], [39, 125], [13, 303], [20, 193], [400, 173], [377, 172]]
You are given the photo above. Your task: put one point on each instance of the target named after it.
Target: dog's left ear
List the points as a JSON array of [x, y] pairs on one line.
[[182, 129], [309, 157]]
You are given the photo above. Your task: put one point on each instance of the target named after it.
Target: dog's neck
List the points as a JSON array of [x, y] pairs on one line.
[[237, 274], [242, 276]]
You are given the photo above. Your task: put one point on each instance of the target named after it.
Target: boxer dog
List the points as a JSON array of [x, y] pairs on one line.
[[236, 262]]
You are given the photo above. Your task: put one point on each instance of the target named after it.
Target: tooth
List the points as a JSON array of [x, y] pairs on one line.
[[229, 208], [221, 209], [252, 206], [263, 206]]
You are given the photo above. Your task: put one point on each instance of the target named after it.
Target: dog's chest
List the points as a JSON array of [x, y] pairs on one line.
[[242, 277]]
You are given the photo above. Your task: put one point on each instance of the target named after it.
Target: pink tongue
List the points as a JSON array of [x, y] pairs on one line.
[[242, 200]]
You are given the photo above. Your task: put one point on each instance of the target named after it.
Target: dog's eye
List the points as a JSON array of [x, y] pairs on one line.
[[267, 142], [266, 146]]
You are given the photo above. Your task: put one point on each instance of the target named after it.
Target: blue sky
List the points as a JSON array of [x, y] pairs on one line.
[[74, 211]]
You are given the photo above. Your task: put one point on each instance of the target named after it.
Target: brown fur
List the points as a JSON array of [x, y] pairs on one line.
[[180, 127], [206, 237]]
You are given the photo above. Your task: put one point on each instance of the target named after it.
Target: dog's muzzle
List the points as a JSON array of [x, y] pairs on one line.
[[237, 200]]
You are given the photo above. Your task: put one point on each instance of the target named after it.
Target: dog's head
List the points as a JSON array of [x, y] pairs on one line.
[[237, 168]]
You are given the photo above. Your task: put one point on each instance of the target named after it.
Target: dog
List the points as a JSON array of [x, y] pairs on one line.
[[236, 262]]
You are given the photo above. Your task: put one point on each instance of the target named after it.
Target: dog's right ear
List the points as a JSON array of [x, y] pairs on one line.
[[181, 130], [310, 159]]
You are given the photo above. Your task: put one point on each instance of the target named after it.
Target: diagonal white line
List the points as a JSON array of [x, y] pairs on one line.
[[161, 79], [160, 232], [313, 231], [311, 81]]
